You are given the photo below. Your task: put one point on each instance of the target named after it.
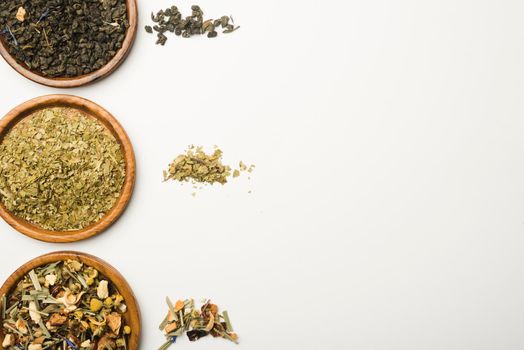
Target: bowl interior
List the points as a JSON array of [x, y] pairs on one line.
[[132, 316], [80, 80], [94, 111]]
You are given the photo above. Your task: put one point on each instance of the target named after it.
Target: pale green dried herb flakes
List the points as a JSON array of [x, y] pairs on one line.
[[195, 165], [60, 169]]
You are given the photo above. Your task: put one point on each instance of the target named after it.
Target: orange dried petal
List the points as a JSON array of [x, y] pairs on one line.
[[170, 327], [179, 305]]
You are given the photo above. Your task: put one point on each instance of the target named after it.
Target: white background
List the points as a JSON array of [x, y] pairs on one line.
[[388, 201]]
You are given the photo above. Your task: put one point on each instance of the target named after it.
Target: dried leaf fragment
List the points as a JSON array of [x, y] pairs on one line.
[[196, 334]]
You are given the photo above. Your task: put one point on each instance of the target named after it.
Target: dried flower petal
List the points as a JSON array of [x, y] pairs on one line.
[[114, 321], [96, 305], [9, 341], [170, 328], [179, 305], [57, 320], [50, 279], [102, 290], [21, 326]]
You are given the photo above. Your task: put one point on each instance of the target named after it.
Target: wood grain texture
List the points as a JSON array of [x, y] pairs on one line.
[[99, 113], [121, 55], [132, 316]]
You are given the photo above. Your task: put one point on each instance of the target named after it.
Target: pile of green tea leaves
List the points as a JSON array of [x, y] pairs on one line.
[[64, 305], [171, 20], [183, 317], [60, 169]]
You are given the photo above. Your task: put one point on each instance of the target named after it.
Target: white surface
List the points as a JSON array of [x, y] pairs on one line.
[[388, 202]]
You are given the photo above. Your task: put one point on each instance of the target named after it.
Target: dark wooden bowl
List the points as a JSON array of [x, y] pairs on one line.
[[132, 316], [20, 67], [99, 113]]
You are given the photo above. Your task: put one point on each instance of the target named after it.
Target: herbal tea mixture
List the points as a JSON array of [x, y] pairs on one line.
[[170, 20], [60, 169], [183, 317], [63, 38], [198, 167], [64, 305]]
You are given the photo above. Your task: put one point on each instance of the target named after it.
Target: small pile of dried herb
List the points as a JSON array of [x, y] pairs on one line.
[[170, 20], [60, 169], [201, 168], [195, 165], [63, 38], [64, 305], [183, 317]]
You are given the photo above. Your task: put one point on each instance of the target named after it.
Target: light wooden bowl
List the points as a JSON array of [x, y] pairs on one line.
[[121, 55], [132, 316], [99, 113]]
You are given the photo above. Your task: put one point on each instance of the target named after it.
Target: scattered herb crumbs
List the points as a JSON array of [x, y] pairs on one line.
[[197, 167]]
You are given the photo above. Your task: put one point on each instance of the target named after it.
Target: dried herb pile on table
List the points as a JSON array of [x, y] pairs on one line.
[[63, 38], [200, 168], [60, 169], [64, 305], [171, 20], [183, 317]]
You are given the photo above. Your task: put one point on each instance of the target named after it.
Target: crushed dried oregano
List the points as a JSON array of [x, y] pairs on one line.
[[183, 317], [200, 168], [60, 169], [64, 305]]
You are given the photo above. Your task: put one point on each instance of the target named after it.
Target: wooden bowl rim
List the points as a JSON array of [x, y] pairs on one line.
[[110, 122], [112, 65], [132, 316]]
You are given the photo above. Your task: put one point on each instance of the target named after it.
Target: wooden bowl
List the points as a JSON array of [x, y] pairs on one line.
[[132, 316], [117, 60], [99, 113]]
